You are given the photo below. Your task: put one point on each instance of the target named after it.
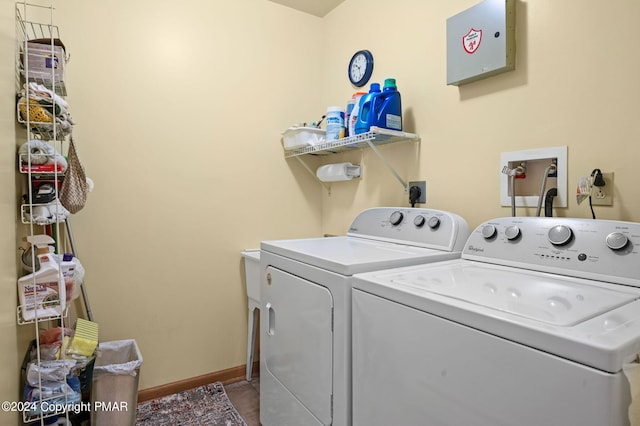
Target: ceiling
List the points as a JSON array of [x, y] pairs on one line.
[[315, 7]]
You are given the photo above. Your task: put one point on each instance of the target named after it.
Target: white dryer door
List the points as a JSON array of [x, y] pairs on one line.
[[298, 347]]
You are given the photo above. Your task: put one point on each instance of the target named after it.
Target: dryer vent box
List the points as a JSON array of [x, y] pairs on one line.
[[481, 42]]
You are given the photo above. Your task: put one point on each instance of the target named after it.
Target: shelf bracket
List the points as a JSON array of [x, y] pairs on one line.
[[375, 136], [389, 166]]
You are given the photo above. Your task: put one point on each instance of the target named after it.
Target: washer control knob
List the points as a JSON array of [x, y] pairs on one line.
[[396, 218], [560, 235], [488, 231], [617, 240], [433, 222], [512, 232], [419, 221]]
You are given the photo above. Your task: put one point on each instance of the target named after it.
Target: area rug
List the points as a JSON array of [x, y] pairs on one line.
[[207, 405]]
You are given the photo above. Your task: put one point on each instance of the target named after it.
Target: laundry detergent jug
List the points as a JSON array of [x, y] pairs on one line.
[[380, 109]]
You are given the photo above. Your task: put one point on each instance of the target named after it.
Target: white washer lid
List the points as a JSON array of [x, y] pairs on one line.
[[591, 322], [551, 299], [348, 255]]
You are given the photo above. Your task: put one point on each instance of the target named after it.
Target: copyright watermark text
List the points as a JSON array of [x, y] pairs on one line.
[[57, 407]]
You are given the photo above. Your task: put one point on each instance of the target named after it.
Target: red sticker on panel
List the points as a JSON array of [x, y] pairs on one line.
[[471, 41]]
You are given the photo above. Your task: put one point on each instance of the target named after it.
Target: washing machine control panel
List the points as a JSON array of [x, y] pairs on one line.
[[576, 247], [412, 226]]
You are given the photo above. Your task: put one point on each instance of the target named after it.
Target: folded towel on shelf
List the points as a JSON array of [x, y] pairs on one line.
[[40, 92], [41, 153], [47, 214], [44, 108]]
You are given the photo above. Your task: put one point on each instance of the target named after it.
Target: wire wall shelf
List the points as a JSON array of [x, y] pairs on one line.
[[26, 311], [375, 136], [40, 43]]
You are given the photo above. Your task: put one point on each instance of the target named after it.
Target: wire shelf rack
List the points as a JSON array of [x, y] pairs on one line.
[[375, 135]]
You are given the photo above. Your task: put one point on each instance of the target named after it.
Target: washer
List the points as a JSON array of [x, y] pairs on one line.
[[305, 318], [534, 325]]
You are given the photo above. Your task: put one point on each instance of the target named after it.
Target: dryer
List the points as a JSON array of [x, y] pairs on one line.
[[305, 322], [536, 324]]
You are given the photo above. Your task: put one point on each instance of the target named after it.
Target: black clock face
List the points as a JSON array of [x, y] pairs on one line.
[[360, 68]]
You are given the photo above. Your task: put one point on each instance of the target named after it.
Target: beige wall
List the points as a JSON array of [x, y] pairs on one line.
[[575, 85], [178, 116], [179, 112]]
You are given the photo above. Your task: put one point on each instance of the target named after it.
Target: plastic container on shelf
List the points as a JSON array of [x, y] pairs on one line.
[[351, 103], [335, 123], [381, 109], [362, 123], [41, 293], [300, 137], [353, 116], [389, 108]]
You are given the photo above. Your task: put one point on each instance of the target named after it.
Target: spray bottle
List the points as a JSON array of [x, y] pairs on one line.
[[42, 293]]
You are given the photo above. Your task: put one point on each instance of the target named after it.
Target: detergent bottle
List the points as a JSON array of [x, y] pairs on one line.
[[42, 293], [380, 108], [388, 107], [353, 115], [363, 117]]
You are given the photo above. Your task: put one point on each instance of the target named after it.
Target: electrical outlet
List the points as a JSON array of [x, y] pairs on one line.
[[603, 195], [422, 185]]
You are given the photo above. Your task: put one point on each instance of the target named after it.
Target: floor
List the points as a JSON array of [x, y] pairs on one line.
[[245, 397]]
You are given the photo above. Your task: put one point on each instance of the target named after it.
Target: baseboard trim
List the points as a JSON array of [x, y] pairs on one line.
[[230, 375]]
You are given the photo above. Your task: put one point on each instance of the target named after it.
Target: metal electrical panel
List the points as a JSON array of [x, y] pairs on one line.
[[481, 41]]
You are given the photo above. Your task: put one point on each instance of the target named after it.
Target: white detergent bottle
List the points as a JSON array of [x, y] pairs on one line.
[[42, 293]]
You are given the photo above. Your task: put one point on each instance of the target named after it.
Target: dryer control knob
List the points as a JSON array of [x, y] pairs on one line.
[[396, 218], [512, 232], [488, 231], [617, 240], [433, 222], [560, 235], [419, 221]]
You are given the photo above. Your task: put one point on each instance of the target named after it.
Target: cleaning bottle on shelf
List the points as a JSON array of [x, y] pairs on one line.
[[380, 108], [389, 107], [41, 293], [352, 117], [335, 123], [362, 123]]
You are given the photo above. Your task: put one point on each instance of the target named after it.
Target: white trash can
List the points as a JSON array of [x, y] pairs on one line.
[[114, 388]]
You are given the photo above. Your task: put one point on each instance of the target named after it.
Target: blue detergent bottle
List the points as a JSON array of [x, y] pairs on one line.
[[388, 107], [380, 108], [363, 121]]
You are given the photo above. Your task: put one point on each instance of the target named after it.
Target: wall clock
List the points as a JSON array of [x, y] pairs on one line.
[[360, 68]]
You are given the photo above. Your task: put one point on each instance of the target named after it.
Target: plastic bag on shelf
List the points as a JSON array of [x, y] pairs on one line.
[[54, 335], [56, 394], [49, 371]]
